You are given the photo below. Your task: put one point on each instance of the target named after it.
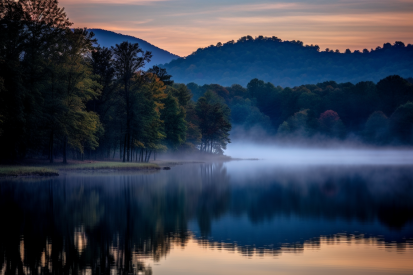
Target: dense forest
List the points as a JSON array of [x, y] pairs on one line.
[[289, 63], [378, 114], [63, 96]]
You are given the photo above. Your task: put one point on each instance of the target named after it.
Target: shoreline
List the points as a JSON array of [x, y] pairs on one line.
[[54, 169], [42, 168]]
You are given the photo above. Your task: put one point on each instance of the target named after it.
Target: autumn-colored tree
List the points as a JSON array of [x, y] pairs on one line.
[[330, 124]]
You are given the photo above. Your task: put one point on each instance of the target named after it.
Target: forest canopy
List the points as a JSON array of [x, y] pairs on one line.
[[289, 63], [372, 113]]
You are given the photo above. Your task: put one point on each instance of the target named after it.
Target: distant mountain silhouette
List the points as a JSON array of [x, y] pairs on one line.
[[288, 63], [108, 38]]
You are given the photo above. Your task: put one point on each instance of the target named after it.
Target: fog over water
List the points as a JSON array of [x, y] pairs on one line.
[[286, 209], [341, 155]]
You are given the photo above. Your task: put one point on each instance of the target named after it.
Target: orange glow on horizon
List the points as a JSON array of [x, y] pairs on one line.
[[182, 27]]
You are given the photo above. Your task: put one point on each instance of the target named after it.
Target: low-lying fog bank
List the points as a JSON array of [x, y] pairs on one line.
[[347, 155]]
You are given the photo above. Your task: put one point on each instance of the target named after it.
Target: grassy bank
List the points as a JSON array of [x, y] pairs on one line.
[[43, 169], [98, 165], [15, 171]]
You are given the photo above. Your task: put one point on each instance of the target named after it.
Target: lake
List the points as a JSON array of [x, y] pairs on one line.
[[237, 217]]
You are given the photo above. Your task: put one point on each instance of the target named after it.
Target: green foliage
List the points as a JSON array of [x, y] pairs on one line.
[[173, 117], [401, 123], [162, 75], [284, 129], [326, 109], [214, 123], [376, 129], [393, 91]]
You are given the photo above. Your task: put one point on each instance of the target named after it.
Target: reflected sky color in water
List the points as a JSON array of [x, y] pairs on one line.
[[240, 217]]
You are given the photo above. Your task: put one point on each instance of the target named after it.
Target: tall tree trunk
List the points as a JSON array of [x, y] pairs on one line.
[[124, 149], [51, 155], [65, 150], [128, 141]]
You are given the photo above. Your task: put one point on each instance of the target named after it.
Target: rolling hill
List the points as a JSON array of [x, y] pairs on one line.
[[108, 38], [288, 63]]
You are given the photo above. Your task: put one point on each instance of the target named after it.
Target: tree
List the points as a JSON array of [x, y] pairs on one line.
[[31, 32], [376, 129], [147, 127], [126, 63], [401, 123], [254, 87], [173, 117], [104, 105], [393, 91], [214, 125], [162, 75], [330, 124], [71, 86], [37, 11], [284, 129]]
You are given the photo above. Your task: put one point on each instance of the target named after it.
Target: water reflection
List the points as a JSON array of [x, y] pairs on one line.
[[110, 223]]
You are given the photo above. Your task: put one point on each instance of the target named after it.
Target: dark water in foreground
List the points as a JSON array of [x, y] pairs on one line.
[[240, 217]]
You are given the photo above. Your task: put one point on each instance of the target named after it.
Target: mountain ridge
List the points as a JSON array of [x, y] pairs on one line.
[[288, 63], [109, 38]]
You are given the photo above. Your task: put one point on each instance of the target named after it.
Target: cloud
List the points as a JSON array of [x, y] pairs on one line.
[[182, 26]]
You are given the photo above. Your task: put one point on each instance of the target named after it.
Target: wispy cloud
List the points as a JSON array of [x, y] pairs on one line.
[[181, 26]]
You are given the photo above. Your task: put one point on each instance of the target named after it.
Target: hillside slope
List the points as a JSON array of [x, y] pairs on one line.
[[108, 38], [288, 63]]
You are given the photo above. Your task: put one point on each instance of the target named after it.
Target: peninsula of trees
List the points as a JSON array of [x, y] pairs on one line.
[[61, 96]]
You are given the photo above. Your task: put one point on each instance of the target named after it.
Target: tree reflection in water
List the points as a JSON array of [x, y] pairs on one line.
[[110, 223]]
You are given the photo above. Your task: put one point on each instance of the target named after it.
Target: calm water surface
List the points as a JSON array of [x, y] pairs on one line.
[[239, 217]]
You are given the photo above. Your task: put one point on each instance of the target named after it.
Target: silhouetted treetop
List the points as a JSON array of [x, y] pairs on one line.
[[37, 11]]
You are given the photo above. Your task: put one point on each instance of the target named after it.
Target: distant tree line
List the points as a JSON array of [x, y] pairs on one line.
[[289, 63], [61, 96], [379, 113]]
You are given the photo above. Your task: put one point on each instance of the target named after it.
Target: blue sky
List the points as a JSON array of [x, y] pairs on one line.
[[182, 26]]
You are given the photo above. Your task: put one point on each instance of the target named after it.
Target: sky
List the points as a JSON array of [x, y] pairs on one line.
[[183, 26]]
